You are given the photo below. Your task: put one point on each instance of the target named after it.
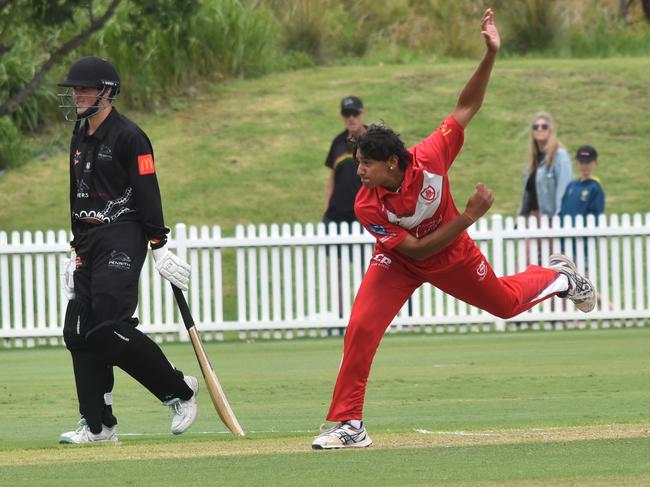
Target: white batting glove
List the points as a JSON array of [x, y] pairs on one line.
[[68, 266], [172, 268]]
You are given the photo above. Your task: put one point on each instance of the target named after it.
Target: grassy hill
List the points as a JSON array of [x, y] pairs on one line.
[[252, 151]]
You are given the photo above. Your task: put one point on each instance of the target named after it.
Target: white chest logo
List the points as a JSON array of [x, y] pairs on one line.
[[427, 204]]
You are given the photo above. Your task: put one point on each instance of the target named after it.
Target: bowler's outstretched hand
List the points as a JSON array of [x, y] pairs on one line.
[[490, 32], [480, 202]]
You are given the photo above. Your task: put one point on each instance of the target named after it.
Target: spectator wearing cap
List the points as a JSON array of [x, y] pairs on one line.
[[548, 169], [343, 182], [584, 196]]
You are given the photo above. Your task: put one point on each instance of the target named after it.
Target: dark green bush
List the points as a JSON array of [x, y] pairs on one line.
[[13, 149]]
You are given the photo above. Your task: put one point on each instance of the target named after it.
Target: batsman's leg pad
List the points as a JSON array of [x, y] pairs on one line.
[[76, 324], [119, 343]]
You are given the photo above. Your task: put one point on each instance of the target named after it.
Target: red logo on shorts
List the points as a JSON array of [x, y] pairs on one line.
[[429, 193], [145, 164]]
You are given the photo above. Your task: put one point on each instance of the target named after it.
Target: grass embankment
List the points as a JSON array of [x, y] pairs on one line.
[[532, 409], [253, 151]]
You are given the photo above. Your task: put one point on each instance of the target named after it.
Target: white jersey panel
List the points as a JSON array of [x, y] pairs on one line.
[[427, 204]]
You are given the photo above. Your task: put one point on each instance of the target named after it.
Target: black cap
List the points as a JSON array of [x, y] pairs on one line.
[[586, 153], [351, 103], [92, 71]]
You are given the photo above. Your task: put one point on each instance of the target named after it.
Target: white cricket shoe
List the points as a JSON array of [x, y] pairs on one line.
[[581, 291], [343, 435], [83, 434], [184, 412]]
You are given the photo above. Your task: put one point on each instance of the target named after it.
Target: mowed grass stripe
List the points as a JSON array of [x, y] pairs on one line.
[[263, 446]]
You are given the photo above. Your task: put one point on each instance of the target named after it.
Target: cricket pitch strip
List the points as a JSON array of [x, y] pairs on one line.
[[223, 447]]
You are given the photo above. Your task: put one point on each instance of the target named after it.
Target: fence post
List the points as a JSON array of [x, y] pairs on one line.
[[5, 304], [218, 277], [497, 256], [241, 276]]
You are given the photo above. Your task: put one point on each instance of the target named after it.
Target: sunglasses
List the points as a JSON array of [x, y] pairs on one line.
[[540, 126]]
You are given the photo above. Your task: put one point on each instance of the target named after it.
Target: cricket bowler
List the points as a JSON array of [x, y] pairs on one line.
[[406, 204]]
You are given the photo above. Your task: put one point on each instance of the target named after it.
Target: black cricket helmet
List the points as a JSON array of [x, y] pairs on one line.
[[89, 72]]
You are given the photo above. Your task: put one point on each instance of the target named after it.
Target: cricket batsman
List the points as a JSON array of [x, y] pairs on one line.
[[406, 204], [116, 213]]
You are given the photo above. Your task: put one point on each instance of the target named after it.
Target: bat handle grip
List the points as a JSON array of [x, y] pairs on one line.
[[183, 307]]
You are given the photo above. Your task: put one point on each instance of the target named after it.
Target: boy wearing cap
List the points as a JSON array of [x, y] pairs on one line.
[[343, 182], [584, 196]]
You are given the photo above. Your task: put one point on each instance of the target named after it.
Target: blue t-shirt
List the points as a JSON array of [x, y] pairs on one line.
[[583, 198]]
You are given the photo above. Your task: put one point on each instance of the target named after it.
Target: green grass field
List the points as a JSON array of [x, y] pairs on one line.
[[252, 151], [531, 409]]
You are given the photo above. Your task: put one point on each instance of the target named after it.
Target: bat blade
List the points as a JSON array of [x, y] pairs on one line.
[[215, 390]]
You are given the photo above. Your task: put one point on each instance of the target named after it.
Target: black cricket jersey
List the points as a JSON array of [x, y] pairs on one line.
[[113, 178], [346, 180]]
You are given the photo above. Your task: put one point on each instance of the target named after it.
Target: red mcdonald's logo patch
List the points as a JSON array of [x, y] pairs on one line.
[[145, 164]]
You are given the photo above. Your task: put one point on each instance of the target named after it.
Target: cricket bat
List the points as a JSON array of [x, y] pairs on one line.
[[215, 390]]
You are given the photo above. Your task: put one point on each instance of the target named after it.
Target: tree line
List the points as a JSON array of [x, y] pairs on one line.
[[161, 47]]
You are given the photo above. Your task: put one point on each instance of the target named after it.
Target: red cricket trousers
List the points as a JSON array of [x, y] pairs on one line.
[[461, 271]]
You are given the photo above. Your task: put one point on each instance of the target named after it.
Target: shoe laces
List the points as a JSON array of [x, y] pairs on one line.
[[81, 425], [581, 288], [329, 429], [176, 407]]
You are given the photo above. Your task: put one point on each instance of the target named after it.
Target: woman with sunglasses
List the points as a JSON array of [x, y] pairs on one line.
[[548, 170]]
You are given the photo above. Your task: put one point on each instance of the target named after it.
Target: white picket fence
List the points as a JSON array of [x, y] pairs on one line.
[[296, 280]]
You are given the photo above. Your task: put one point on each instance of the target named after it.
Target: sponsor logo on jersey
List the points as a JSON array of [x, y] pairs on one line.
[[378, 229], [145, 164], [105, 153], [83, 190], [444, 128], [387, 237], [429, 193], [119, 261], [76, 159], [481, 270], [381, 260], [426, 227]]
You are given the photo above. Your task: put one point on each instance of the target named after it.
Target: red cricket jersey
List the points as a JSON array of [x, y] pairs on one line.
[[424, 201]]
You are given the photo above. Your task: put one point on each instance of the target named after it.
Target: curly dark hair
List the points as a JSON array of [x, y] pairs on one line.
[[380, 142]]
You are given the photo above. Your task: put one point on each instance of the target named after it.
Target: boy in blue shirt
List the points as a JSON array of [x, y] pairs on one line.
[[584, 196]]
